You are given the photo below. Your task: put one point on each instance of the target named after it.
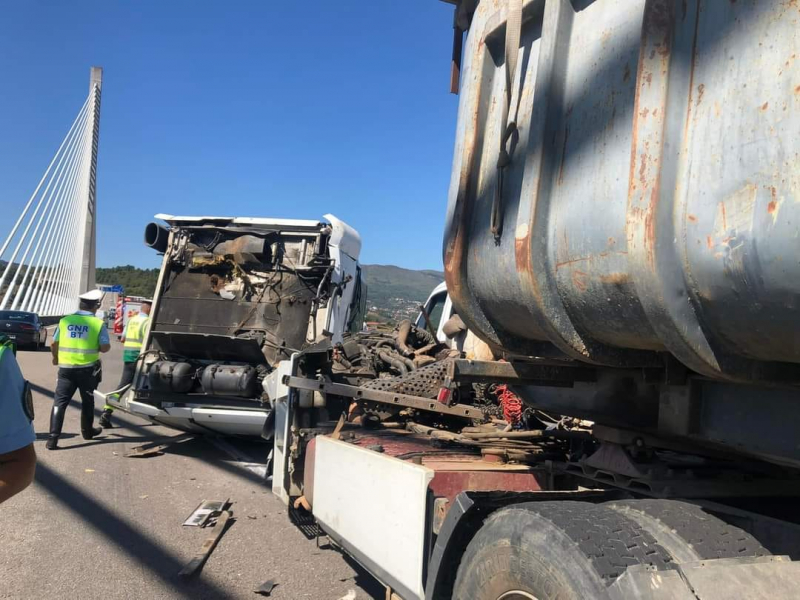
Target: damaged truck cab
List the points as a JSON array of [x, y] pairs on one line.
[[236, 296]]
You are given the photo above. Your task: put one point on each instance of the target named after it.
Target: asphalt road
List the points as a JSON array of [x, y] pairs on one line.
[[95, 524]]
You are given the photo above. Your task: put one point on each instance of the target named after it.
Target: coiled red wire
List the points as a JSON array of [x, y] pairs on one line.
[[510, 403]]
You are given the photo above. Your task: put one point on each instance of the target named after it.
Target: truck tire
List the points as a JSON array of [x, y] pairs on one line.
[[553, 550], [687, 531]]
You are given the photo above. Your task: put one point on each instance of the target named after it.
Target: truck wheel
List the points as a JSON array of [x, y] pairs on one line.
[[687, 531], [553, 550]]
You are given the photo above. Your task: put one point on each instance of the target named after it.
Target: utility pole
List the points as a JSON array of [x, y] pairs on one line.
[[90, 240]]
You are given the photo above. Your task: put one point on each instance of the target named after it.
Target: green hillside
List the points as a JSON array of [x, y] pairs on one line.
[[135, 281], [394, 293]]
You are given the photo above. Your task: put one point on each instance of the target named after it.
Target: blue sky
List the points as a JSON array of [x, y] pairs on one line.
[[247, 108]]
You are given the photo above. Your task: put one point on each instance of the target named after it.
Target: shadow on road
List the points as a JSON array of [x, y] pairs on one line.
[[140, 547], [190, 449]]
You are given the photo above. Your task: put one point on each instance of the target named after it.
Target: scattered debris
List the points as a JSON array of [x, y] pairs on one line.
[[199, 559], [88, 470], [157, 448], [350, 595], [203, 513], [143, 497], [265, 589]]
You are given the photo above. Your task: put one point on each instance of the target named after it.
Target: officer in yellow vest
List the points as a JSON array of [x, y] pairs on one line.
[[132, 340], [76, 347]]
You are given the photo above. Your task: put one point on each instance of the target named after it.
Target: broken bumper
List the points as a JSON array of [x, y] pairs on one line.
[[201, 419]]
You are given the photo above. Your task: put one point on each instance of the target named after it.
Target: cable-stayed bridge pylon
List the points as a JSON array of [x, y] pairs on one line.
[[48, 257]]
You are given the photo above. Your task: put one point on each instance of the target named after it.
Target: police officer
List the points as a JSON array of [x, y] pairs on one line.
[[17, 456], [76, 347], [132, 340]]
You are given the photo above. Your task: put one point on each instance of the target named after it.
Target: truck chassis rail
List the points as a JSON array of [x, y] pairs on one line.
[[350, 391]]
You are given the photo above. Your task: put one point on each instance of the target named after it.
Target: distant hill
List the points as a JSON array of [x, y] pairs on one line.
[[135, 281], [393, 293]]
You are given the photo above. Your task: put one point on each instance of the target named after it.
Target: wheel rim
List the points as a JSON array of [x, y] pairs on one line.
[[517, 595]]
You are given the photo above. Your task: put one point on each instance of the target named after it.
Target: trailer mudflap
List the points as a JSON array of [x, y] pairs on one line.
[[767, 577], [376, 508]]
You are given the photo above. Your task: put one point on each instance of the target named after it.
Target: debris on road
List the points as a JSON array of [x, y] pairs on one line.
[[199, 559], [157, 448], [205, 511], [265, 589]]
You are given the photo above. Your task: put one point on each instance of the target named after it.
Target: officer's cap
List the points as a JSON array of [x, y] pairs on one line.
[[92, 296]]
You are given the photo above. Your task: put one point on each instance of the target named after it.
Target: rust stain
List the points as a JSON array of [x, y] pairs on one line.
[[692, 218], [627, 73], [774, 203], [572, 261], [700, 89], [579, 280], [643, 169], [797, 90], [764, 106], [522, 255], [650, 225], [611, 241], [723, 214], [615, 278], [645, 112], [709, 242]]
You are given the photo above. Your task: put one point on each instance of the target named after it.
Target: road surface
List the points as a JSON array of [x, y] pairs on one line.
[[95, 524]]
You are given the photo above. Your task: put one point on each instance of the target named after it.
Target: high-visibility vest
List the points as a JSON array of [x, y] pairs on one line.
[[134, 334], [79, 340]]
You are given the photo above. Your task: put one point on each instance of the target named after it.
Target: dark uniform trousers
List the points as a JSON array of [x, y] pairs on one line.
[[128, 371], [69, 380]]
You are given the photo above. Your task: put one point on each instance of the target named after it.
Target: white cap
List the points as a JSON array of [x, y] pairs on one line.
[[147, 301], [92, 296]]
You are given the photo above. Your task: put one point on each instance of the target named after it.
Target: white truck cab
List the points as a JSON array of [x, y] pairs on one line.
[[234, 298]]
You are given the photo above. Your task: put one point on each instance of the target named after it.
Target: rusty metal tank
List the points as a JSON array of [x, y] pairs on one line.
[[649, 201]]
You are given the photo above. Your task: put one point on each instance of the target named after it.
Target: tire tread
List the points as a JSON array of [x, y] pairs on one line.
[[611, 541], [708, 535]]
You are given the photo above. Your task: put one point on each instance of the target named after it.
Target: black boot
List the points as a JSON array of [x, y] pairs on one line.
[[52, 443], [105, 420], [88, 434], [56, 422]]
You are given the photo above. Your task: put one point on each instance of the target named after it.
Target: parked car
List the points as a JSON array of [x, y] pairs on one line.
[[24, 328]]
